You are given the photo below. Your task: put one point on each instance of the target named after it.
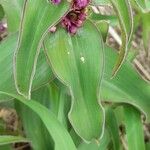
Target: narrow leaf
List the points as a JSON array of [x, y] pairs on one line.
[[7, 139], [124, 13], [113, 128], [134, 129]]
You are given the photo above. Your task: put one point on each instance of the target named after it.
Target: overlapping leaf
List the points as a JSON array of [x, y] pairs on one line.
[[134, 129], [13, 13], [144, 5], [124, 13], [38, 17], [57, 131], [7, 48], [127, 86], [78, 62]]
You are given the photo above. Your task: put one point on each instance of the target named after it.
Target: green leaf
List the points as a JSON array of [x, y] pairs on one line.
[[134, 128], [7, 48], [77, 61], [113, 128], [12, 10], [100, 145], [125, 16], [1, 12], [38, 17], [100, 2], [103, 27], [59, 134], [146, 30], [7, 139], [144, 5], [147, 145], [111, 19], [59, 102], [127, 87], [39, 137], [6, 147]]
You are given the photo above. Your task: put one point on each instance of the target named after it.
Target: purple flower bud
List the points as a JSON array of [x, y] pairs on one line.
[[73, 29], [82, 16], [2, 27], [79, 4], [56, 2], [79, 23], [65, 22], [52, 29]]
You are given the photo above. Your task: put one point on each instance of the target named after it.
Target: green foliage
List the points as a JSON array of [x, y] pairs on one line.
[[60, 81]]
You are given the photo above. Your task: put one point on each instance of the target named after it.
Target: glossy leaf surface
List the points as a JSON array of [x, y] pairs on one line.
[[36, 21], [80, 66]]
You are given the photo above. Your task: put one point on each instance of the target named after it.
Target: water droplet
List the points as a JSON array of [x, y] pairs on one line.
[[68, 52], [82, 59]]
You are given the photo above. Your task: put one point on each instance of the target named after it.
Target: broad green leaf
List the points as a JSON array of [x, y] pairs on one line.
[[59, 134], [77, 61], [7, 48], [38, 17], [144, 5], [125, 16], [113, 128], [12, 10], [134, 128], [7, 139], [39, 137], [127, 87]]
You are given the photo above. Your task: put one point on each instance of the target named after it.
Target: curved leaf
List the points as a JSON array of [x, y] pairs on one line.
[[38, 17], [124, 13], [59, 134], [144, 5], [7, 47], [8, 139], [78, 62], [126, 87]]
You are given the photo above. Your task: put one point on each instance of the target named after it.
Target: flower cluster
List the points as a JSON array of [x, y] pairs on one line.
[[76, 17]]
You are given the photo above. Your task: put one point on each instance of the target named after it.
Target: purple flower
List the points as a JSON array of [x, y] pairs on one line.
[[2, 27], [76, 17], [79, 4], [73, 29], [56, 2]]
